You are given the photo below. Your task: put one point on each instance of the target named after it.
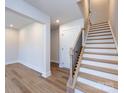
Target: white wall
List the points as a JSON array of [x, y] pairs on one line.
[[31, 46], [99, 9], [70, 31], [113, 16], [11, 45], [55, 45], [85, 8], [32, 12]]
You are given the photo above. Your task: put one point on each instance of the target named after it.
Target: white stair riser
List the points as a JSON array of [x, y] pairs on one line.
[[100, 57], [98, 41], [99, 64], [101, 51], [99, 73], [78, 91], [99, 34], [101, 45], [105, 88], [97, 37]]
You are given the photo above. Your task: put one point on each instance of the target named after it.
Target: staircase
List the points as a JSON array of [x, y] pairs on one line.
[[98, 70]]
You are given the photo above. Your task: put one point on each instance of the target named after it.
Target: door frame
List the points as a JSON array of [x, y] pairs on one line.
[[61, 65]]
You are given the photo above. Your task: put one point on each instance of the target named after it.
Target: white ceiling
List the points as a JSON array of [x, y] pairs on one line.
[[64, 10], [19, 21]]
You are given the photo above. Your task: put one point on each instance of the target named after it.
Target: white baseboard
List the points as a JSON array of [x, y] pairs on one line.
[[61, 66], [31, 66], [45, 75], [55, 61], [11, 62]]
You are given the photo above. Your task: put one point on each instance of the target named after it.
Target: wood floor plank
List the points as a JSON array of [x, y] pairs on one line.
[[21, 79]]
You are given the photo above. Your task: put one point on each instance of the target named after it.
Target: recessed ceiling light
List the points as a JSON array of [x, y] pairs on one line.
[[57, 21], [11, 25]]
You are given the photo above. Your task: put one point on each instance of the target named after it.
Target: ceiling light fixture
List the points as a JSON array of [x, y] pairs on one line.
[[11, 25], [57, 21]]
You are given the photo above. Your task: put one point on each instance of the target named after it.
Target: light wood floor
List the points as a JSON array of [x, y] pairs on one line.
[[21, 79]]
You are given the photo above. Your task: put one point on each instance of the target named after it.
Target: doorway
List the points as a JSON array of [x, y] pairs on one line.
[[67, 39]]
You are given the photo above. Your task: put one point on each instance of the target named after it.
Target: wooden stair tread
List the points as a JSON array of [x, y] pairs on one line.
[[100, 23], [99, 32], [97, 79], [99, 48], [101, 53], [88, 89], [112, 71], [101, 60], [99, 35], [96, 29], [99, 27], [101, 38], [101, 43]]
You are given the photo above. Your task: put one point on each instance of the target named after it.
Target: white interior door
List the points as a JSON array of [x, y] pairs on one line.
[[68, 37]]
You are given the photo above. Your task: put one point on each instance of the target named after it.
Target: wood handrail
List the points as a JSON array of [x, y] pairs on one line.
[[72, 52], [71, 85], [72, 79]]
